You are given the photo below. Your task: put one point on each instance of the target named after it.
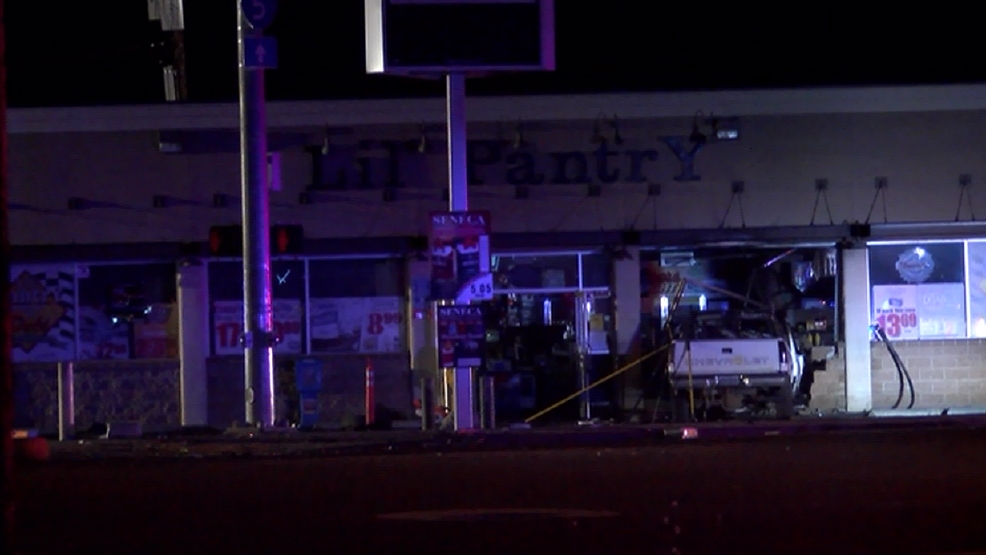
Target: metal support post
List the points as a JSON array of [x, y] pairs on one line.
[[463, 409], [369, 395], [258, 344], [427, 404], [489, 402], [582, 350], [66, 400], [455, 104]]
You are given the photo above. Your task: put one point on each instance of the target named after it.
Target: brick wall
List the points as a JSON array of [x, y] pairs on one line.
[[105, 391], [828, 392], [341, 401], [946, 373]]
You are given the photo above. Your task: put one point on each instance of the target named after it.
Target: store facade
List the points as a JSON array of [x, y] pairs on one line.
[[584, 192]]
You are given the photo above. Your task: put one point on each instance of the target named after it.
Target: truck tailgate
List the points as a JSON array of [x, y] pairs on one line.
[[712, 357]]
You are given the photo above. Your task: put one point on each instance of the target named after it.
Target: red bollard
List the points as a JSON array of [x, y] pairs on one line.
[[370, 403]]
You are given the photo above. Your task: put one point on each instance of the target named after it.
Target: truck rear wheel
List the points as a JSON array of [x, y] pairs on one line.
[[784, 404]]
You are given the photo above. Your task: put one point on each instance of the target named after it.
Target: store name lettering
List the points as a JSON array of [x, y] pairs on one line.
[[461, 311], [469, 218], [380, 165]]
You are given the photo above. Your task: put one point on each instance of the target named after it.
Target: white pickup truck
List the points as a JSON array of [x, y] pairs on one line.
[[750, 367]]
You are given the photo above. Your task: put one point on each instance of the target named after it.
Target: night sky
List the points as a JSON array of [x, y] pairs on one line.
[[84, 53]]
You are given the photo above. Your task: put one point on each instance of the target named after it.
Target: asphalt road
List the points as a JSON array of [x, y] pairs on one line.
[[921, 492]]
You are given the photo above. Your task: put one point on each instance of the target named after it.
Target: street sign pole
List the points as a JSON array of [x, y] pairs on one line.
[[258, 337], [463, 386]]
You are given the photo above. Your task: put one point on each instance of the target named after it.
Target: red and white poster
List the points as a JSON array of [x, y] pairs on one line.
[[459, 245], [156, 335], [895, 309], [357, 325], [227, 326]]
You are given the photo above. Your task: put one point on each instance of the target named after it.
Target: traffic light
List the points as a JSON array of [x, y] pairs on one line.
[[286, 239], [227, 240]]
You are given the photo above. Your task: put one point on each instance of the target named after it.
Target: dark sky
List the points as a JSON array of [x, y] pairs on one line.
[[75, 53]]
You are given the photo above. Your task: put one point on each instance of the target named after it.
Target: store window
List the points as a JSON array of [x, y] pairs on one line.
[[128, 311], [524, 272], [226, 297], [595, 270], [356, 305], [918, 290], [976, 271]]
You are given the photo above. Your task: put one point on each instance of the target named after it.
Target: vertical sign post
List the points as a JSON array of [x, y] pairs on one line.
[[256, 53]]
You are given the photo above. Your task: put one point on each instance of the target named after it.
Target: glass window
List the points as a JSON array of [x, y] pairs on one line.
[[536, 272], [287, 280], [357, 306], [226, 297], [595, 270], [918, 289], [128, 311], [976, 265]]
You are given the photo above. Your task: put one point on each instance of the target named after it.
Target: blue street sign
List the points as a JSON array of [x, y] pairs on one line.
[[259, 13], [260, 52]]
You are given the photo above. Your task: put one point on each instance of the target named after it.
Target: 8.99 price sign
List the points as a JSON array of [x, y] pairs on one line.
[[227, 327]]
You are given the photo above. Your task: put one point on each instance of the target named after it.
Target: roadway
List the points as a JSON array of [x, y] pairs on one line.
[[879, 492]]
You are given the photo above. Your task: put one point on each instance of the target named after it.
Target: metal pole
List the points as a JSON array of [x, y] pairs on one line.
[[582, 348], [489, 402], [463, 409], [455, 104], [6, 323], [66, 400], [257, 309], [427, 404]]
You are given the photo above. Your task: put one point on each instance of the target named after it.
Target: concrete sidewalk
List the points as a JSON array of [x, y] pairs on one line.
[[295, 443]]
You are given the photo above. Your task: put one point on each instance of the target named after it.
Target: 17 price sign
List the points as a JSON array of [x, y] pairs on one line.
[[898, 325], [227, 327], [228, 334]]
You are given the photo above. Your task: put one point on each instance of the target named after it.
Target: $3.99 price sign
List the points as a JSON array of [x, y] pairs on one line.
[[898, 324]]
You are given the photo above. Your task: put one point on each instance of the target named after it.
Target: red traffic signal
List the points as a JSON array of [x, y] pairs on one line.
[[227, 240], [286, 239]]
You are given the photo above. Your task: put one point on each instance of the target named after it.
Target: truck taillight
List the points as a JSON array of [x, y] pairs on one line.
[[784, 358]]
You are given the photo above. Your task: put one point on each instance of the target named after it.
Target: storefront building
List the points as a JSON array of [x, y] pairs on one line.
[[872, 189]]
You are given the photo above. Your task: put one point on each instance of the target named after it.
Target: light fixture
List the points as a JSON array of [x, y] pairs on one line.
[[327, 143], [423, 140], [724, 129], [519, 141], [617, 138]]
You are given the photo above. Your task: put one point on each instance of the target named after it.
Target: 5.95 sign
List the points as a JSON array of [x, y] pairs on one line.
[[227, 327]]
